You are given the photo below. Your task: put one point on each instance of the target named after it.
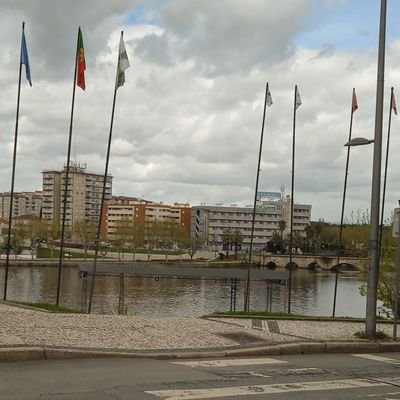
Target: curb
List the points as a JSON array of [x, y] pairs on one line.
[[13, 354], [22, 354]]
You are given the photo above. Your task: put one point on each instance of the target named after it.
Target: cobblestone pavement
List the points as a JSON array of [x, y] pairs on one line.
[[21, 326]]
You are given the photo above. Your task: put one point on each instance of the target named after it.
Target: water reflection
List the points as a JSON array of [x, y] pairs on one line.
[[312, 293]]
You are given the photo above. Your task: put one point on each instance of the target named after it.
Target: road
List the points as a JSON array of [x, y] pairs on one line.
[[322, 377]]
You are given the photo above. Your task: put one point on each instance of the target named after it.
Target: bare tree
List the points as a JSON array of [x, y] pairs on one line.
[[53, 234], [193, 245], [37, 232], [19, 235], [85, 233]]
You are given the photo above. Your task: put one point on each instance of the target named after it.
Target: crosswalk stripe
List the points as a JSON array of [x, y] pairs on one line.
[[377, 358], [191, 394], [230, 362]]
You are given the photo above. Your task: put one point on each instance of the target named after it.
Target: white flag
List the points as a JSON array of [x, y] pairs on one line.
[[298, 99], [393, 104], [123, 64], [269, 98]]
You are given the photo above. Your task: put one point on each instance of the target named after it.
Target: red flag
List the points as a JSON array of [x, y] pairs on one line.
[[81, 65], [393, 105], [354, 104]]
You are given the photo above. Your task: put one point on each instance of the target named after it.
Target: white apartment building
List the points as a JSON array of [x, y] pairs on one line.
[[24, 203], [209, 222], [84, 192]]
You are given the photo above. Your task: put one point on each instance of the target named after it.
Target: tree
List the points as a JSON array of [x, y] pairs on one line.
[[329, 237], [135, 235], [175, 236], [122, 233], [313, 241], [309, 231], [193, 244], [37, 232], [237, 240], [318, 227], [166, 229], [297, 242], [18, 237], [387, 273], [282, 227], [85, 233], [277, 244], [53, 234], [355, 240], [227, 239], [153, 235], [181, 238]]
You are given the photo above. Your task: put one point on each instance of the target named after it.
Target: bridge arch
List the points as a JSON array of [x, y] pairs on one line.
[[292, 265], [345, 267], [271, 265], [314, 266], [303, 261]]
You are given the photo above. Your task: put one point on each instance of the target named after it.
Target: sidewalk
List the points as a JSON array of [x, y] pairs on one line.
[[31, 334]]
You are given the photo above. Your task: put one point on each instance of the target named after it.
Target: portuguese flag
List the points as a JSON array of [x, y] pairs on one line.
[[81, 65]]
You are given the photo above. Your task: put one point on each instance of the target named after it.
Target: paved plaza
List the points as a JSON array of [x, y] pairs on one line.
[[26, 327]]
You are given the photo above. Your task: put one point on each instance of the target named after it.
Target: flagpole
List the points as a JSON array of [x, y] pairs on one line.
[[386, 168], [292, 201], [103, 193], [247, 289], [346, 172], [13, 175], [60, 261]]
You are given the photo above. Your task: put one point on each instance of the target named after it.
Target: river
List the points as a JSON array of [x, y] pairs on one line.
[[312, 293]]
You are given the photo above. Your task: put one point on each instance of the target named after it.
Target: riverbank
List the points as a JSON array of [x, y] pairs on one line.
[[210, 259]]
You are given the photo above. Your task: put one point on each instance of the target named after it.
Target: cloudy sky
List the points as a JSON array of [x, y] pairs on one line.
[[188, 119]]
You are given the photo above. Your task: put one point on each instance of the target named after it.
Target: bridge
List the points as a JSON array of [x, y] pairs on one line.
[[310, 261]]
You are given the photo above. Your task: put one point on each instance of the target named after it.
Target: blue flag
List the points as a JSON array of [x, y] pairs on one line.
[[25, 59]]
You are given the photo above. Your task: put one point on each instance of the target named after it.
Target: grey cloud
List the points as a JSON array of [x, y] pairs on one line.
[[326, 51], [232, 35], [52, 26], [153, 48]]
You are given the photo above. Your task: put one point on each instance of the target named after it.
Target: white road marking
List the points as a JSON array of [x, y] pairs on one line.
[[191, 394], [363, 396], [229, 362], [377, 358]]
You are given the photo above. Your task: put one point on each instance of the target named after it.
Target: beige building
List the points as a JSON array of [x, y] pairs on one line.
[[24, 203], [84, 194], [142, 212]]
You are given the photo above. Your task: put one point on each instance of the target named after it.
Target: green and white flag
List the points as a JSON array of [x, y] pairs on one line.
[[123, 64], [269, 98], [298, 99]]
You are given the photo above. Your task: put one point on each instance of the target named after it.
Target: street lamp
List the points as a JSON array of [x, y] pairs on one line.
[[370, 318], [373, 267], [358, 141], [351, 143]]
